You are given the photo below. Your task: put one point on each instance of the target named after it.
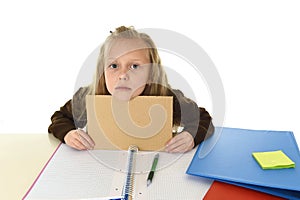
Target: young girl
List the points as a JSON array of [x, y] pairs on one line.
[[128, 66]]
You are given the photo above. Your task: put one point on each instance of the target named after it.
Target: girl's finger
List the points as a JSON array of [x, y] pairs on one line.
[[85, 139], [77, 144]]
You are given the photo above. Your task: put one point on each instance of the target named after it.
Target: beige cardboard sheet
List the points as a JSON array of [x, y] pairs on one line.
[[145, 121]]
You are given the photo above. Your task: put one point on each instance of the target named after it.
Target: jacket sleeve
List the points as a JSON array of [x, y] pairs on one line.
[[195, 120], [62, 121], [70, 116], [205, 128]]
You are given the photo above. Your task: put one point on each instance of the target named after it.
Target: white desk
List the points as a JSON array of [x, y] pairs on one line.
[[22, 157]]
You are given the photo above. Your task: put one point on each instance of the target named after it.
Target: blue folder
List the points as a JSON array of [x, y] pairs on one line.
[[227, 156]]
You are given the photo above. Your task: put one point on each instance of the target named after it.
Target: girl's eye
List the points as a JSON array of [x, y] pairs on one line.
[[113, 66], [134, 66]]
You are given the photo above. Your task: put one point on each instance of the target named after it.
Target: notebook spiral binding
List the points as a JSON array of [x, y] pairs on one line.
[[128, 187]]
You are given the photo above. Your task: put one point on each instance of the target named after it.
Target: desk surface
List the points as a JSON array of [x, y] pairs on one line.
[[22, 157]]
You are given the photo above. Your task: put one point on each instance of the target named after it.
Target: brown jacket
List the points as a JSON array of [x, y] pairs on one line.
[[196, 121]]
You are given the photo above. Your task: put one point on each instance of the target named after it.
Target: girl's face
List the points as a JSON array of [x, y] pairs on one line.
[[127, 69]]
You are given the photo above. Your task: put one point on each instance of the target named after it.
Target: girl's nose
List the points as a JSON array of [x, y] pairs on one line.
[[123, 74]]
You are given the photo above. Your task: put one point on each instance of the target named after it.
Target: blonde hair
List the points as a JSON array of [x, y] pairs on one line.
[[157, 86]]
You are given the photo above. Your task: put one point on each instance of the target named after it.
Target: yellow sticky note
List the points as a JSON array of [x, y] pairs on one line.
[[273, 160]]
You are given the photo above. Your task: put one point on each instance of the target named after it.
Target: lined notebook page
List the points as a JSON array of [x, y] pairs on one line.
[[73, 174], [170, 180]]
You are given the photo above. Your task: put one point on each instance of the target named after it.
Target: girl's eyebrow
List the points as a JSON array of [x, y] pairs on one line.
[[110, 59], [136, 59]]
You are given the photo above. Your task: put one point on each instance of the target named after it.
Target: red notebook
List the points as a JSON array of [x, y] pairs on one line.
[[225, 191]]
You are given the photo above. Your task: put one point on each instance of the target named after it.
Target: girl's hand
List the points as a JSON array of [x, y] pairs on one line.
[[78, 139], [181, 143]]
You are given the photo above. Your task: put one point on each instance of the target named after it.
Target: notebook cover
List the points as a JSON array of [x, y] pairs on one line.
[[288, 194], [231, 160], [225, 191], [145, 121]]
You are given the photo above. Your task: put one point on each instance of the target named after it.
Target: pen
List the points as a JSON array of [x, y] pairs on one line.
[[151, 173]]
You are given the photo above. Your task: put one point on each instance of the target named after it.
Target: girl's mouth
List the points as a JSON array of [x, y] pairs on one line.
[[123, 88]]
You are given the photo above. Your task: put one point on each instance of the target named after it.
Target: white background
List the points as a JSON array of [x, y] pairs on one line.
[[254, 45]]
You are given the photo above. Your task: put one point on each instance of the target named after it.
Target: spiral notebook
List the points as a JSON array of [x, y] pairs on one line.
[[98, 174]]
